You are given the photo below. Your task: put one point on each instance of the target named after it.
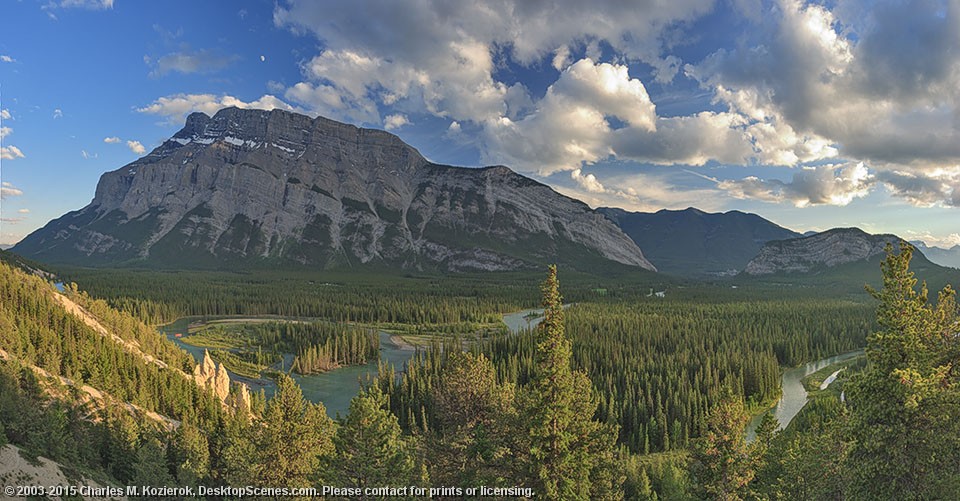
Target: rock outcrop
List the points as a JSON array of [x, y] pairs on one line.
[[213, 376], [275, 187], [823, 250]]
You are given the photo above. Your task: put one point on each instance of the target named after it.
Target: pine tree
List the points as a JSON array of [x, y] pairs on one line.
[[761, 451], [370, 449], [470, 446], [150, 467], [191, 454], [238, 454], [904, 415], [292, 437], [721, 459], [765, 433], [570, 455]]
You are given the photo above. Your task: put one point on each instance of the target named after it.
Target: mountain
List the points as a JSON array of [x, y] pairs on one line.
[[824, 250], [694, 243], [249, 187], [944, 257], [843, 259]]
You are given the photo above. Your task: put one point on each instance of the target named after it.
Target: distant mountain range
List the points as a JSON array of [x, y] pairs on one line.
[[252, 187], [694, 243], [274, 188], [944, 257]]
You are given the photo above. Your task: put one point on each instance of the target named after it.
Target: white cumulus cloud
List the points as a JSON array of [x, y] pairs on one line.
[[588, 182], [392, 122], [821, 185], [136, 147], [174, 108], [10, 153], [111, 140]]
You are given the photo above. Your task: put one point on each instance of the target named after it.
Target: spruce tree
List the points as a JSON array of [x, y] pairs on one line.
[[292, 437], [191, 454], [721, 459], [570, 456], [470, 444], [904, 417], [370, 448], [150, 467]]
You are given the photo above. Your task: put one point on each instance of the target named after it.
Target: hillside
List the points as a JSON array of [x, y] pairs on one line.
[[87, 386], [697, 244]]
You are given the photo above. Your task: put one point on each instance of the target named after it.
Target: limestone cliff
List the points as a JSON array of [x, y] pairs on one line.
[[274, 187], [822, 250]]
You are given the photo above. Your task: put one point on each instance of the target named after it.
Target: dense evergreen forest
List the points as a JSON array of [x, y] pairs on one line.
[[158, 297], [616, 397], [658, 366]]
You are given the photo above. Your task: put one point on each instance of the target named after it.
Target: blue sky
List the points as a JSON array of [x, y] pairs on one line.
[[814, 115]]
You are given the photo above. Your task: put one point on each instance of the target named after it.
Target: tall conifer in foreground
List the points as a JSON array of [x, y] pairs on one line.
[[570, 455], [371, 450], [291, 438], [904, 417], [721, 458]]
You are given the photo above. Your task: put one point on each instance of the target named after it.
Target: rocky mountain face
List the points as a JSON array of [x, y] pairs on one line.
[[251, 186], [827, 249], [693, 243]]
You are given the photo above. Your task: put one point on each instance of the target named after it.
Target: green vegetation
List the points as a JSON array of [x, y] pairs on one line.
[[813, 381], [618, 396], [250, 346], [246, 364]]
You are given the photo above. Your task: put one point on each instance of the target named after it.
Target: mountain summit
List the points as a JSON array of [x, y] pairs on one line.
[[274, 187], [694, 243]]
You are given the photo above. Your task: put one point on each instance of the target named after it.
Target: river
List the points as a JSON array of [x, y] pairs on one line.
[[794, 394], [337, 387]]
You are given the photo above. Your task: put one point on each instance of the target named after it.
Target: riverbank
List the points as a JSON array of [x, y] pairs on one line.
[[823, 378], [333, 388], [794, 395]]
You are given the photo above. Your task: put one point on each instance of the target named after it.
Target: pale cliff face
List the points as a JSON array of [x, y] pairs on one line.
[[830, 248], [252, 184]]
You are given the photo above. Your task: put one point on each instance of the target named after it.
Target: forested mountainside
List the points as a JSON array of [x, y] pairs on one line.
[[698, 244]]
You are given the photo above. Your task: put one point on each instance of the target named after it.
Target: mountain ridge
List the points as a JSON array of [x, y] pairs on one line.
[[828, 249], [944, 257], [697, 244], [251, 186]]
